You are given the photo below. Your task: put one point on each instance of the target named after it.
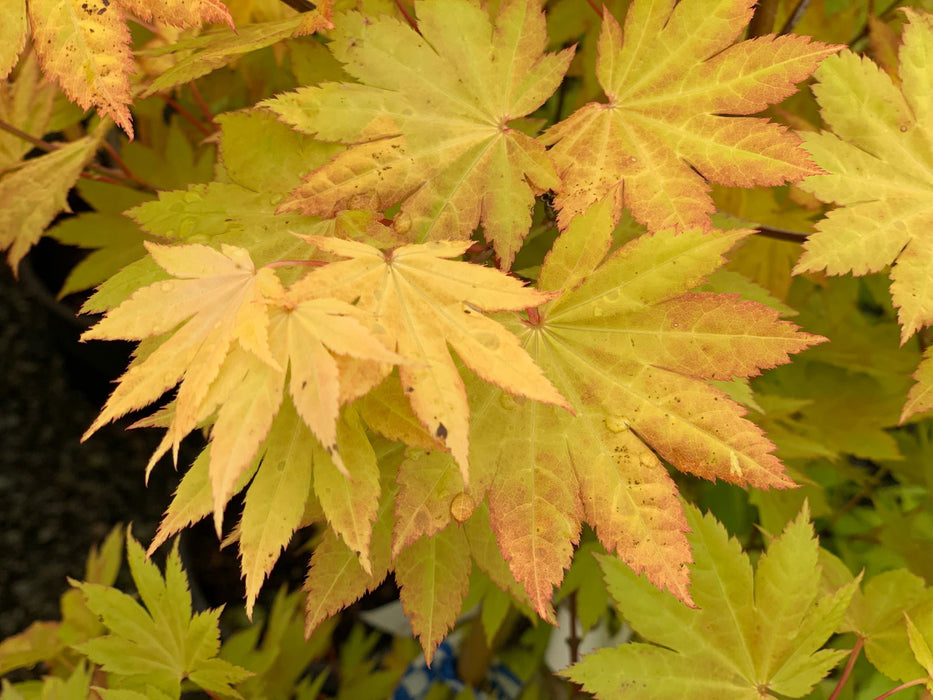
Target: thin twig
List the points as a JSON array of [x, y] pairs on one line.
[[847, 671], [782, 234], [592, 3], [186, 115], [762, 21], [867, 488], [112, 152], [902, 686], [794, 17], [202, 105], [408, 17], [300, 5], [38, 143], [573, 640]]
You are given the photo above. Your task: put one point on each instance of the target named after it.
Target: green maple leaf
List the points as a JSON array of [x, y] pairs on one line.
[[428, 122], [755, 635], [160, 643], [879, 163]]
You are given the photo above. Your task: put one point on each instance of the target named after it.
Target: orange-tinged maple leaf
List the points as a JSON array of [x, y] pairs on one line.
[[426, 302], [675, 83], [632, 352], [84, 45], [428, 125]]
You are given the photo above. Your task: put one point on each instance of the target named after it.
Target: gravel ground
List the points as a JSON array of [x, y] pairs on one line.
[[57, 496]]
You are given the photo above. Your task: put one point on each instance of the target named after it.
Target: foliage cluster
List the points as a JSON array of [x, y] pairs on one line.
[[495, 298]]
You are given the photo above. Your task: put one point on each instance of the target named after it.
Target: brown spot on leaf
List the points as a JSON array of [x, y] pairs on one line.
[[441, 431]]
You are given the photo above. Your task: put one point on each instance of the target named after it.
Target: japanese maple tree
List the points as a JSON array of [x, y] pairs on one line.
[[474, 290]]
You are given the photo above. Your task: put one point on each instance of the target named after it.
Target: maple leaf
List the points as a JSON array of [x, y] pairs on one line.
[[425, 302], [428, 123], [161, 644], [675, 84], [216, 296], [754, 635], [35, 191], [84, 45], [632, 353], [880, 172], [13, 34]]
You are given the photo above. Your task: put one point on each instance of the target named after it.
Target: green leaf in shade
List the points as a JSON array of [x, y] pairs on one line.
[[753, 634], [160, 643]]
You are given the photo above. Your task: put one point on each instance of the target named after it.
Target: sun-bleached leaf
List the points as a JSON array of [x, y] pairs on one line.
[[434, 575], [32, 194], [216, 297], [425, 302], [26, 102], [753, 634], [424, 127], [677, 89]]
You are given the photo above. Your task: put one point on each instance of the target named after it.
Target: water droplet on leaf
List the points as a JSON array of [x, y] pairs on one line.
[[462, 507], [617, 424], [402, 223]]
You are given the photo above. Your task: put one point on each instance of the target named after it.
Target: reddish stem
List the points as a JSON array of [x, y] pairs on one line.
[[186, 115], [847, 671], [123, 166], [592, 3], [407, 16], [202, 104], [903, 686]]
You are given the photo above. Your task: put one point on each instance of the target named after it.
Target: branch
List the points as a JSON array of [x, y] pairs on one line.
[[573, 639], [782, 234], [763, 20], [795, 17], [856, 650], [300, 5], [903, 686], [101, 172]]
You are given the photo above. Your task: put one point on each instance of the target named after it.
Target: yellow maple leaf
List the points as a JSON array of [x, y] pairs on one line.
[[428, 123], [214, 300], [674, 82], [426, 302]]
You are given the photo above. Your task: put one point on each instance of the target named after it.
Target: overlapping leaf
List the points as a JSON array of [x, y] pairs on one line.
[[675, 84], [753, 636], [631, 352], [428, 123], [424, 301], [879, 163]]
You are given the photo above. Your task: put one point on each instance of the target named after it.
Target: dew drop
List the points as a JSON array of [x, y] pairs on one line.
[[617, 424], [415, 455], [903, 129], [633, 159], [462, 507], [166, 286]]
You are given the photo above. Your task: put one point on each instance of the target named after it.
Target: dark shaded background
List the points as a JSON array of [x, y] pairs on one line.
[[58, 496]]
